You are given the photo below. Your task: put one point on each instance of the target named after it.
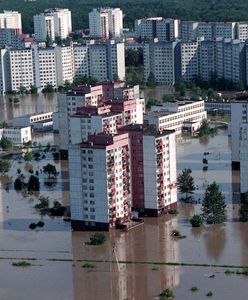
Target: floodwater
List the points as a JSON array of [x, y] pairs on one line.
[[136, 270], [28, 104]]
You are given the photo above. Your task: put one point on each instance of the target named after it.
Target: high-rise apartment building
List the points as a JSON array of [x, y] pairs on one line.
[[107, 60], [11, 20], [161, 59], [100, 182], [52, 23], [106, 23], [157, 27]]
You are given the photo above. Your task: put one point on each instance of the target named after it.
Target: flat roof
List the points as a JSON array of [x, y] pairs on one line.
[[147, 129]]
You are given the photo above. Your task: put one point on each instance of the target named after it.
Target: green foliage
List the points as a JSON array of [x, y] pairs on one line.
[[167, 293], [134, 57], [173, 212], [22, 90], [5, 166], [97, 239], [168, 98], [213, 205], [196, 221], [4, 124], [185, 182], [88, 266], [43, 203], [33, 183], [48, 89], [33, 89], [28, 156], [152, 102], [194, 289], [21, 263], [243, 211], [205, 129], [5, 143], [151, 80], [50, 170]]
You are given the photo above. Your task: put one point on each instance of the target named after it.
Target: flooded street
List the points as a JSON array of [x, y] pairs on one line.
[[148, 259]]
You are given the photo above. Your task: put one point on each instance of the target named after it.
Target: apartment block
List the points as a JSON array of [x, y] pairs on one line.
[[64, 64], [100, 182], [17, 135], [178, 116], [52, 23], [189, 60], [107, 60], [157, 27], [106, 23], [153, 164], [11, 38], [91, 119], [81, 61], [162, 59], [11, 20]]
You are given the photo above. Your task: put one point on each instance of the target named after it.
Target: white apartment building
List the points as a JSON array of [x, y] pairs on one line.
[[177, 116], [243, 156], [189, 60], [64, 64], [191, 30], [107, 60], [11, 19], [17, 135], [21, 69], [100, 182], [239, 115], [160, 174], [68, 103], [52, 23], [81, 61], [207, 60], [160, 58], [31, 119], [44, 27], [47, 68], [89, 120], [157, 27], [242, 31], [106, 23]]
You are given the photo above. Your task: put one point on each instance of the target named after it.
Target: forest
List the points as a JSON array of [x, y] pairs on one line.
[[198, 10]]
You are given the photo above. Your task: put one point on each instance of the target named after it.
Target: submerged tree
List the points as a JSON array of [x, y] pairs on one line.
[[243, 211], [213, 205], [185, 182]]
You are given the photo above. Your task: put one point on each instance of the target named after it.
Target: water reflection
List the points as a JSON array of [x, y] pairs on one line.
[[215, 240], [29, 104]]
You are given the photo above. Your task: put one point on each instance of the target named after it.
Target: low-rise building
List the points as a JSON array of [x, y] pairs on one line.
[[31, 119], [177, 115], [17, 135]]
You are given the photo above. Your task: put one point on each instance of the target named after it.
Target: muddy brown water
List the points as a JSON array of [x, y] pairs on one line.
[[57, 272]]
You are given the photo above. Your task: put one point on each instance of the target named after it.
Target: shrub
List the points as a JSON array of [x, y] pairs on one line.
[[196, 221], [167, 293], [21, 263], [88, 266], [97, 239], [194, 289], [173, 212], [209, 294]]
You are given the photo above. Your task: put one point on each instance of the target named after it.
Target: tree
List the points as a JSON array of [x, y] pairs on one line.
[[50, 170], [5, 166], [97, 239], [205, 129], [22, 89], [19, 184], [33, 89], [196, 221], [48, 88], [213, 205], [243, 211], [151, 80], [5, 143], [186, 183], [168, 98], [151, 102], [28, 156], [33, 183]]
